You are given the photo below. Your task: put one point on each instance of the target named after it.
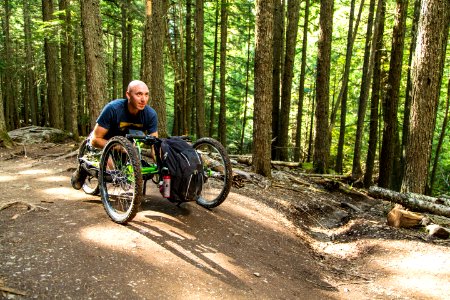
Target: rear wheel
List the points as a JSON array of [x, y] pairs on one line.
[[120, 180], [90, 185], [217, 170]]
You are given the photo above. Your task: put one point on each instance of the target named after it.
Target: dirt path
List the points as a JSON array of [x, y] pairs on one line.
[[67, 247]]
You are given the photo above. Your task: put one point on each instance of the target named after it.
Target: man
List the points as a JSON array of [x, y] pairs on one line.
[[117, 118]]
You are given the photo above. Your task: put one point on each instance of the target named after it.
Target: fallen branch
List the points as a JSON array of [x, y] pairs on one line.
[[410, 201], [12, 291]]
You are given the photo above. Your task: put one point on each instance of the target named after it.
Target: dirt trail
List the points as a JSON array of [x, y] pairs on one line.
[[67, 247]]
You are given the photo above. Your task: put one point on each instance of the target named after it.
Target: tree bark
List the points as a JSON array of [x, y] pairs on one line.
[[291, 41], [407, 105], [391, 98], [263, 87], [212, 112], [157, 92], [321, 142], [363, 95], [415, 202], [222, 130], [52, 70], [68, 72], [189, 103], [200, 69], [377, 47], [247, 75], [342, 98], [94, 57], [301, 88], [427, 71], [278, 38]]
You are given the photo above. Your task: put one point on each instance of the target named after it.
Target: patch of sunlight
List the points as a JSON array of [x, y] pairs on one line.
[[5, 178], [344, 250], [37, 172], [414, 272], [65, 193], [154, 215], [256, 212], [54, 179], [226, 263]]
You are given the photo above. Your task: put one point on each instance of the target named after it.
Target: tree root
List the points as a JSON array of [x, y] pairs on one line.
[[30, 207]]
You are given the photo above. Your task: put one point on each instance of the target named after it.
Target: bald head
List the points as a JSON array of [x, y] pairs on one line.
[[136, 83]]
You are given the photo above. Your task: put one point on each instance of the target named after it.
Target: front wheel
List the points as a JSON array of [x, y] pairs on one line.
[[217, 171], [120, 180]]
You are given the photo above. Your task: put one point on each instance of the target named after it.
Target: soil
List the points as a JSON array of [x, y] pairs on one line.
[[288, 238]]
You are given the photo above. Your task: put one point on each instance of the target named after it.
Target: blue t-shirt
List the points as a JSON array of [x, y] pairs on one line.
[[117, 119]]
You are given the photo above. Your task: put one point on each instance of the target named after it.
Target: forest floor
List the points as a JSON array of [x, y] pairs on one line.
[[287, 238]]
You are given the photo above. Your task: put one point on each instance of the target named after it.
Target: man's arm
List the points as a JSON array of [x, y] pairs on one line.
[[98, 136]]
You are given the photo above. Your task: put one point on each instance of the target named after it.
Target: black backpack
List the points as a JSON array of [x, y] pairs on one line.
[[185, 169]]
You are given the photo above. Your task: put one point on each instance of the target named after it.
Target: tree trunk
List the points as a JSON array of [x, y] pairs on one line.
[[342, 98], [147, 40], [94, 57], [189, 103], [278, 38], [407, 105], [222, 130], [68, 73], [157, 93], [377, 47], [427, 68], [415, 202], [291, 41], [200, 69], [52, 70], [126, 40], [392, 96], [321, 142], [363, 95], [301, 88], [213, 81], [263, 87], [247, 75]]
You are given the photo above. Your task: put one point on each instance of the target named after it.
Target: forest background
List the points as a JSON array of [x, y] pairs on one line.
[[330, 84]]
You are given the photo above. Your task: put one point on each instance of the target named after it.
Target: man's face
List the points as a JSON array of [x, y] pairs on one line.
[[138, 96]]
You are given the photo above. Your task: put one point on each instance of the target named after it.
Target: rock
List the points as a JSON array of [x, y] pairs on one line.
[[36, 134], [437, 231]]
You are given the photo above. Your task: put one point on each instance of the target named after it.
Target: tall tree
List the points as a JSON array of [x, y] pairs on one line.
[[222, 130], [30, 92], [301, 87], [157, 93], [342, 98], [278, 38], [199, 65], [391, 98], [5, 140], [322, 141], [127, 44], [363, 95], [263, 87], [7, 68], [94, 57], [427, 71], [377, 47], [68, 70], [189, 74], [213, 80], [407, 109], [288, 74], [52, 68]]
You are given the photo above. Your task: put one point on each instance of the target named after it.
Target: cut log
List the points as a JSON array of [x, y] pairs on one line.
[[410, 201], [437, 231], [401, 218]]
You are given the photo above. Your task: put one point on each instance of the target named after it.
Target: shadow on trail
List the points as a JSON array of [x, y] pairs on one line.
[[231, 243]]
